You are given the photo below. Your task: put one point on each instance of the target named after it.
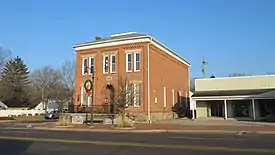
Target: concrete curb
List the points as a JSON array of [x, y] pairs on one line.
[[101, 130], [155, 131], [6, 121]]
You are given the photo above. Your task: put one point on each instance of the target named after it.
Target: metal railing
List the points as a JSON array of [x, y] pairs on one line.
[[97, 109]]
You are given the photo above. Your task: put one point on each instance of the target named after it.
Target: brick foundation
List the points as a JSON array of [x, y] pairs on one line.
[[155, 117]]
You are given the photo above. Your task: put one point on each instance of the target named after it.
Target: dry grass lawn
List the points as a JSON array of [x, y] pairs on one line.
[[29, 118]]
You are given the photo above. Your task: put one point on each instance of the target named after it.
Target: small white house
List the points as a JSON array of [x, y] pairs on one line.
[[3, 106], [51, 105], [39, 106]]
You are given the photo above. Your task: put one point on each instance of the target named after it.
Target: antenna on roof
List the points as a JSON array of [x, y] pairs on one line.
[[204, 63], [121, 34]]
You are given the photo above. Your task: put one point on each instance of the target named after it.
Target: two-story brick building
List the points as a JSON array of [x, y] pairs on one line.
[[160, 75]]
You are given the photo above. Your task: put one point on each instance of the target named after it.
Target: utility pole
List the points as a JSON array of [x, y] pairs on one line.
[[204, 63]]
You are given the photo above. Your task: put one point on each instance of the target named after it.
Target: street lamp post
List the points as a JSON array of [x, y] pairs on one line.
[[92, 100], [89, 89]]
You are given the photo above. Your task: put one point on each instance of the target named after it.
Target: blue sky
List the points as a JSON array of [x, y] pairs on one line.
[[233, 35]]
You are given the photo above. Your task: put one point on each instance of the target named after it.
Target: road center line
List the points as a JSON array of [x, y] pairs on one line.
[[19, 132], [209, 138], [167, 146]]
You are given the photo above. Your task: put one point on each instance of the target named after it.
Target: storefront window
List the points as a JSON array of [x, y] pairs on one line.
[[241, 108]]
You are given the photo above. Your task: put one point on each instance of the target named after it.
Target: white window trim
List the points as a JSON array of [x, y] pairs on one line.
[[127, 69], [173, 97], [82, 95], [104, 56], [111, 63], [164, 97], [89, 71], [135, 67], [83, 68], [135, 95]]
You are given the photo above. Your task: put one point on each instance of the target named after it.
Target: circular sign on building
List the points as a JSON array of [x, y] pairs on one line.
[[88, 86], [108, 80]]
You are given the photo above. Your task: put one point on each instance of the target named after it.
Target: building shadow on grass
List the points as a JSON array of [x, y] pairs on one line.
[[14, 147]]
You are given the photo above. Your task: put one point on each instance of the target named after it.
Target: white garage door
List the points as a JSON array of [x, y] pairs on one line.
[[201, 109]]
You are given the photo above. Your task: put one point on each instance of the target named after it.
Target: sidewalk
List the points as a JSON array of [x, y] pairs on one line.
[[172, 128]]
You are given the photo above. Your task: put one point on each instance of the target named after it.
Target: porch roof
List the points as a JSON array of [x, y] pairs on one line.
[[236, 94]]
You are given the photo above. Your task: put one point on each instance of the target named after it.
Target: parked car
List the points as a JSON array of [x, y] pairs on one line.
[[52, 114]]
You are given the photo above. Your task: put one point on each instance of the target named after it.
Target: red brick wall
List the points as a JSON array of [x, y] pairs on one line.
[[169, 73], [100, 78], [165, 71]]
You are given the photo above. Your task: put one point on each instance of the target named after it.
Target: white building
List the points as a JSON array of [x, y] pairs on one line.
[[3, 106], [241, 98]]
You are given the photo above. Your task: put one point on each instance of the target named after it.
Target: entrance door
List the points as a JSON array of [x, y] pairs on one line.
[[216, 109], [201, 109], [111, 98]]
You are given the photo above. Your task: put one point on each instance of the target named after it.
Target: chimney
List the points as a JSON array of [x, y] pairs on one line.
[[97, 38]]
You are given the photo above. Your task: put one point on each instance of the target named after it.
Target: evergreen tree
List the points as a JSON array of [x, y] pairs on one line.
[[15, 82]]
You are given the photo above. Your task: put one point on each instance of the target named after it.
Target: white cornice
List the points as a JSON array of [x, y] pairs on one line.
[[131, 41]]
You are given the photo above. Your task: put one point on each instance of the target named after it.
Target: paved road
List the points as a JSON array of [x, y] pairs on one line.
[[25, 124], [37, 142]]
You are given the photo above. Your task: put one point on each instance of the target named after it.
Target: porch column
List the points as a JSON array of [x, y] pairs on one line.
[[225, 110], [253, 109], [193, 109]]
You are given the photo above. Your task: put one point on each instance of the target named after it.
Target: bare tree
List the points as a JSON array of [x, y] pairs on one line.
[[5, 55], [127, 94], [67, 71], [47, 85]]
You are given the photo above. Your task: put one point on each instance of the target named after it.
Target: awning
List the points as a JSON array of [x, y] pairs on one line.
[[240, 94]]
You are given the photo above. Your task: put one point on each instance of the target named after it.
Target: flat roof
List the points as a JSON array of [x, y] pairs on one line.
[[236, 77], [128, 36], [231, 93]]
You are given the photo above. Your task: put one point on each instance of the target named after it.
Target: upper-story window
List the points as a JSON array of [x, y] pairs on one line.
[[84, 66], [92, 65], [113, 63], [105, 63], [109, 63], [88, 65], [137, 62], [128, 62]]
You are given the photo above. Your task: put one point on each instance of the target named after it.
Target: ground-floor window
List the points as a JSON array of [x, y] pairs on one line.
[[84, 99], [217, 108], [241, 108], [266, 107]]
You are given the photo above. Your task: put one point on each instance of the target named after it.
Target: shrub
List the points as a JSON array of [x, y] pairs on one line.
[[6, 118]]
